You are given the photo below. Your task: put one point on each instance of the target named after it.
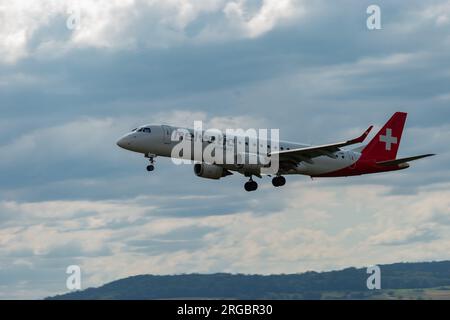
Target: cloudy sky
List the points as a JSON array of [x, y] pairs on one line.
[[76, 75]]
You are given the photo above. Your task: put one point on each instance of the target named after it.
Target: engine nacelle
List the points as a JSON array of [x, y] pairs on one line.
[[209, 171]]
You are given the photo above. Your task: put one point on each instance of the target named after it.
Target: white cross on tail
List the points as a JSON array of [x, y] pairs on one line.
[[388, 139]]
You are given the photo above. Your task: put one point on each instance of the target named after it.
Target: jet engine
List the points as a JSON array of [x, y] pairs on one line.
[[210, 171]]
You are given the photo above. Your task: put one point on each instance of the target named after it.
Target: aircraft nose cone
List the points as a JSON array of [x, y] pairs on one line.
[[122, 142]]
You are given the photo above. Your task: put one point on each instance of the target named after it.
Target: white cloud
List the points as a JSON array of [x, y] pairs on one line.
[[269, 14], [439, 13], [399, 236], [362, 225], [120, 24], [75, 138]]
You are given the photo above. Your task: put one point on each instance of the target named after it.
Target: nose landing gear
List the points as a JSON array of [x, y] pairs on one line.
[[151, 166]]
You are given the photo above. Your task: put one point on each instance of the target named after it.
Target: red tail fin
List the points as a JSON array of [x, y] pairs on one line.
[[384, 145]]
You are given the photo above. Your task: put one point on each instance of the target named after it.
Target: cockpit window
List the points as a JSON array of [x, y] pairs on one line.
[[147, 130], [134, 130]]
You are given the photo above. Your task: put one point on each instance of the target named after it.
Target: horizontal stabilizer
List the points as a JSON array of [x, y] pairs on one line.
[[404, 160]]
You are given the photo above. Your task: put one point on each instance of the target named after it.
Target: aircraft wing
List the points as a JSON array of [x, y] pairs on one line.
[[306, 154]]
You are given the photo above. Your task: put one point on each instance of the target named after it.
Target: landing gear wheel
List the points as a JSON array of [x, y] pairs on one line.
[[250, 186], [279, 181], [151, 166]]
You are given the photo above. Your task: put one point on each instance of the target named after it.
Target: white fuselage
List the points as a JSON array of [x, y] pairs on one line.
[[160, 140]]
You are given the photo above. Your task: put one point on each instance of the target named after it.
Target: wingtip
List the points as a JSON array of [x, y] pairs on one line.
[[364, 135]]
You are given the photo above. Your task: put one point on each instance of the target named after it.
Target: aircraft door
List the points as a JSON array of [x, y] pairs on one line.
[[166, 134]]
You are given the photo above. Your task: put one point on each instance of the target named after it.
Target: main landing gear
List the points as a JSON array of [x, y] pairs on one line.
[[151, 166], [250, 185], [278, 181]]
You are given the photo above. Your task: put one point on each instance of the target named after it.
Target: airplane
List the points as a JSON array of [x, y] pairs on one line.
[[328, 160]]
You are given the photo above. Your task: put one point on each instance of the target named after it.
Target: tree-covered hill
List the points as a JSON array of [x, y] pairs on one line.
[[412, 278]]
